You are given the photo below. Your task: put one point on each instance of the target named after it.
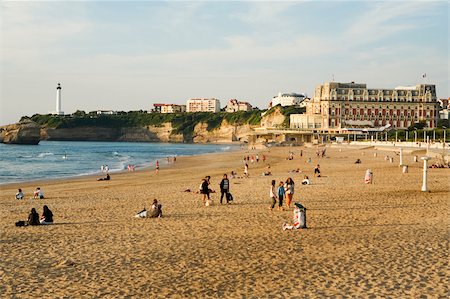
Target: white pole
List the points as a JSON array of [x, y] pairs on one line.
[[434, 135], [396, 136], [424, 136], [415, 136], [428, 144], [425, 169], [406, 135], [401, 157]]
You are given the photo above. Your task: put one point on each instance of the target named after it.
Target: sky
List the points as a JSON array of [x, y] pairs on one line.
[[123, 55]]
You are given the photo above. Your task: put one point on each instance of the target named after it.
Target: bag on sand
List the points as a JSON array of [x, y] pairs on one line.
[[229, 197], [20, 223]]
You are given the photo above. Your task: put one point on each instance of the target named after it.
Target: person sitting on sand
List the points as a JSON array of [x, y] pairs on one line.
[[358, 161], [107, 178], [266, 173], [156, 210], [47, 216], [19, 194], [38, 193], [306, 180], [33, 217]]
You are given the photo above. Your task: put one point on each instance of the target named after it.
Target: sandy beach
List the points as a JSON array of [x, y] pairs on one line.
[[387, 239]]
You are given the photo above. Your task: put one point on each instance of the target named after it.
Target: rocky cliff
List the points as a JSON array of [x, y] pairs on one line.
[[24, 132], [223, 134], [273, 119]]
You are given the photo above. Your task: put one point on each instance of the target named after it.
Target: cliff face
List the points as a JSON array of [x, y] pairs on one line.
[[223, 134], [25, 132], [274, 119]]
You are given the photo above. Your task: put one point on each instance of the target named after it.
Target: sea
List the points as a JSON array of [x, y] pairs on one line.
[[65, 159]]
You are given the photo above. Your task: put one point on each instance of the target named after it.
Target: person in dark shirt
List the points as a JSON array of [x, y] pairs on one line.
[[47, 216], [224, 188], [33, 217]]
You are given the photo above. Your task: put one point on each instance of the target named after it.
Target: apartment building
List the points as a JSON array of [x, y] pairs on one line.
[[203, 105]]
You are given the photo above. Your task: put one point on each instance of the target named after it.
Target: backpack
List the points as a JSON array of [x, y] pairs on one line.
[[229, 196]]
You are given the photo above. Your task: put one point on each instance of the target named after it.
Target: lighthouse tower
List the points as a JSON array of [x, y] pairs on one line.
[[58, 100]]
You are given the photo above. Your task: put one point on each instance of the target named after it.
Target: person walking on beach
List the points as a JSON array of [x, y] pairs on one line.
[[289, 188], [224, 188], [273, 195], [281, 194], [204, 191], [246, 170], [317, 171], [156, 167]]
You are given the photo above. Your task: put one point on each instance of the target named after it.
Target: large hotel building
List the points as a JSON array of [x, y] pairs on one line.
[[337, 106]]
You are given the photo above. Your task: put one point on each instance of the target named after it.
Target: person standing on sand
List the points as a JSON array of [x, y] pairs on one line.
[[289, 188], [246, 170], [281, 194], [156, 167], [204, 191], [317, 171], [273, 195], [224, 188]]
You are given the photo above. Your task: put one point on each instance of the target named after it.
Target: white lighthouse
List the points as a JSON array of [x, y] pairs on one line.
[[58, 100]]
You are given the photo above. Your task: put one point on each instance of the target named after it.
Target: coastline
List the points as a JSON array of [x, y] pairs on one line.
[[382, 239], [139, 167]]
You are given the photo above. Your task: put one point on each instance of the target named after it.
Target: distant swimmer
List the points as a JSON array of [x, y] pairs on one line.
[[64, 156]]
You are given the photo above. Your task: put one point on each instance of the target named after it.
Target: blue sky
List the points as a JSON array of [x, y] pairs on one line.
[[129, 55]]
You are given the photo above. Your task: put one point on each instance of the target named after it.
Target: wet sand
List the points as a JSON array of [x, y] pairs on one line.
[[387, 239]]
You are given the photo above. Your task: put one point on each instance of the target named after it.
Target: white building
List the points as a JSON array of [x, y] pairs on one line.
[[234, 105], [287, 99], [173, 108], [203, 105], [106, 112]]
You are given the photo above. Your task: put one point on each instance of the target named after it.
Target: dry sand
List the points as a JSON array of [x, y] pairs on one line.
[[388, 239]]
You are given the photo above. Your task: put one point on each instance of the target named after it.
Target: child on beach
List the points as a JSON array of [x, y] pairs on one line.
[[19, 194], [47, 216], [273, 195], [281, 194], [38, 193], [246, 170]]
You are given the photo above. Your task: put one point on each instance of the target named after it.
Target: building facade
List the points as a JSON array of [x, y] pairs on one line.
[[203, 105], [287, 99], [234, 105], [173, 108], [353, 105]]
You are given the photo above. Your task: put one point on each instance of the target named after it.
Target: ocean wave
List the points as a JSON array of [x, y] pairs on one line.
[[42, 155]]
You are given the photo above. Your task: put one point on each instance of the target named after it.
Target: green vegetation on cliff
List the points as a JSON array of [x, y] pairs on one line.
[[182, 123]]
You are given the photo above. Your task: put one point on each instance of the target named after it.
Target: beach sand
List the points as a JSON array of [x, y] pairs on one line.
[[387, 239]]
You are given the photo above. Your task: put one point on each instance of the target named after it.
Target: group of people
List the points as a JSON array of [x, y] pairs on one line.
[[38, 193], [205, 190], [34, 219], [104, 168], [284, 190], [254, 158]]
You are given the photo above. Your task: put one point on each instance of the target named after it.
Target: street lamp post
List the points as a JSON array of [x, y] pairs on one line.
[[407, 136], [396, 135], [415, 136], [424, 136]]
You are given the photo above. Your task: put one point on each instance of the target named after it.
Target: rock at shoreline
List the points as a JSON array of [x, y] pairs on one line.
[[24, 132]]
